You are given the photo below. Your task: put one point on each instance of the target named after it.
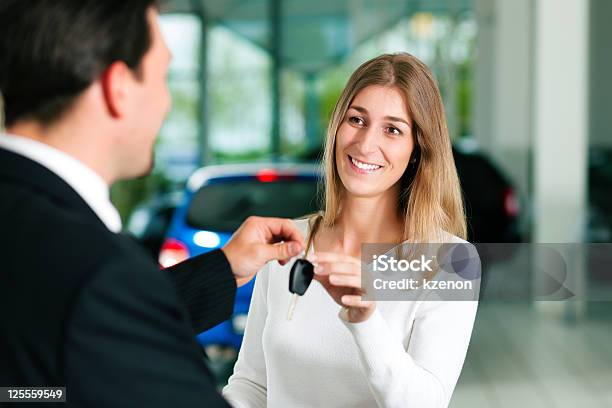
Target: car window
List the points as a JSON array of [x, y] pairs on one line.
[[224, 206]]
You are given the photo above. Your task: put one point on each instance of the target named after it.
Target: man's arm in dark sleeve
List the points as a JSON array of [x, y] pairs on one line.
[[129, 344], [207, 287]]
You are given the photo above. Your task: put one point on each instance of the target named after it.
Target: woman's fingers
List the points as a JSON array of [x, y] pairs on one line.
[[321, 257], [340, 275], [349, 281], [329, 268], [355, 301], [329, 263]]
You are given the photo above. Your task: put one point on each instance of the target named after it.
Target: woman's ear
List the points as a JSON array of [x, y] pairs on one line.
[[415, 156], [410, 172]]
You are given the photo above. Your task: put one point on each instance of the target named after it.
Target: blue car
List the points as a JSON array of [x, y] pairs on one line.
[[216, 201]]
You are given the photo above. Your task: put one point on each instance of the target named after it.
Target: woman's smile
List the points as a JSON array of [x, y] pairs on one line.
[[361, 167]]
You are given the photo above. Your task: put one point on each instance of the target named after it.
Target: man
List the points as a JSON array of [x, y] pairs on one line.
[[81, 306]]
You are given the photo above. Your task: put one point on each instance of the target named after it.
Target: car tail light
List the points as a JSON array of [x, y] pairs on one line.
[[271, 175], [511, 204], [172, 252], [267, 175]]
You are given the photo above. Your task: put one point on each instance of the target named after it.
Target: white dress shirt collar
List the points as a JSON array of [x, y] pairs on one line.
[[87, 183]]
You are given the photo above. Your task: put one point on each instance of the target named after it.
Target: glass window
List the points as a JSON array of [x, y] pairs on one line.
[[224, 206]]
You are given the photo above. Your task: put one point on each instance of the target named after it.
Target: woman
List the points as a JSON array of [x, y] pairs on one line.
[[389, 178]]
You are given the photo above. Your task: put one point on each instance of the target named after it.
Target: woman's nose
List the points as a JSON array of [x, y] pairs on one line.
[[368, 140]]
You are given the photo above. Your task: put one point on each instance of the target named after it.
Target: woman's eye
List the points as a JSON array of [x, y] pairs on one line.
[[356, 120], [394, 131]]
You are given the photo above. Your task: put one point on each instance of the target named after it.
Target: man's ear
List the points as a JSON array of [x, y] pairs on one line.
[[116, 83]]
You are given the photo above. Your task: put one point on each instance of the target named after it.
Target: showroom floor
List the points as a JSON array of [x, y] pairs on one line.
[[522, 358]]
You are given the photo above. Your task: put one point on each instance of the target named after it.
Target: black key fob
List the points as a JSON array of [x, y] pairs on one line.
[[300, 277]]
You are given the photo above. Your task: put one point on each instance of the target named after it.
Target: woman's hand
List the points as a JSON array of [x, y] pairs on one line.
[[340, 275]]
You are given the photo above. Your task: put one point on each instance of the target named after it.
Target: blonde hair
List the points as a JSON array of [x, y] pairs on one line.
[[430, 200]]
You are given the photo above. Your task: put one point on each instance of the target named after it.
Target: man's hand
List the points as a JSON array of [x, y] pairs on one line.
[[259, 240]]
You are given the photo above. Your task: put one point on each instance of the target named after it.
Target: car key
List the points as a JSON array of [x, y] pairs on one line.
[[300, 277]]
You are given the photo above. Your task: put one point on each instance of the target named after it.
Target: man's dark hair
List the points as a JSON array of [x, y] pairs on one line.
[[52, 50]]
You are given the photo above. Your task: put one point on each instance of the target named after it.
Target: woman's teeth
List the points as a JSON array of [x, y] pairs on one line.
[[364, 166]]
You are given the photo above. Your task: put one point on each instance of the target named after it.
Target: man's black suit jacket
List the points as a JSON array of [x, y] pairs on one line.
[[85, 308]]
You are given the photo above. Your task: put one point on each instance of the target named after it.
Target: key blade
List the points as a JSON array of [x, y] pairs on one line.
[[292, 304]]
